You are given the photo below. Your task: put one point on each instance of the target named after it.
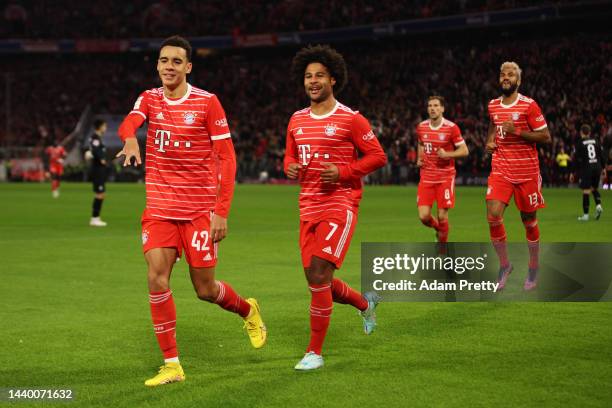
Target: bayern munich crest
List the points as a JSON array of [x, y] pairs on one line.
[[515, 116], [145, 237], [330, 130], [189, 117]]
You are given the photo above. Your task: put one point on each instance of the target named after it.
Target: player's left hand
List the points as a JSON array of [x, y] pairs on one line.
[[443, 154], [218, 228], [331, 174], [508, 127]]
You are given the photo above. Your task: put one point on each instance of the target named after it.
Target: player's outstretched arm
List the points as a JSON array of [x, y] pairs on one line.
[[127, 133], [130, 150]]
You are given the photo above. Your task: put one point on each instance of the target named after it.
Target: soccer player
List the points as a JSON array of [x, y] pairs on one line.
[[590, 162], [188, 200], [97, 153], [440, 143], [56, 153], [516, 125], [323, 141]]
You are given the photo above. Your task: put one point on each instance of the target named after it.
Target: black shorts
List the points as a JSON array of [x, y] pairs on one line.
[[589, 178], [98, 179]]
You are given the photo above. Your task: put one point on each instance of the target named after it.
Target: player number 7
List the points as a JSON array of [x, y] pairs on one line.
[[195, 242], [334, 227]]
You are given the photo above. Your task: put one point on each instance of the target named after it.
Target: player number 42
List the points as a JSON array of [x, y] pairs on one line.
[[199, 245]]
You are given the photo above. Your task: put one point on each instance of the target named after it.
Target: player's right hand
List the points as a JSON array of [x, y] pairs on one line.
[[491, 146], [293, 170], [131, 150], [419, 162]]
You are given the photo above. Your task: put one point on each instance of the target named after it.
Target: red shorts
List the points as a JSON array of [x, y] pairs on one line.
[[527, 195], [328, 239], [56, 169], [191, 236], [443, 193]]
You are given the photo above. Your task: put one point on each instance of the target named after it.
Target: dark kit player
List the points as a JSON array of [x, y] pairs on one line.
[[589, 167], [99, 171]]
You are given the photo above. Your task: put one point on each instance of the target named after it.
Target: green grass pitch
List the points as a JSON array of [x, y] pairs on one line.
[[75, 312]]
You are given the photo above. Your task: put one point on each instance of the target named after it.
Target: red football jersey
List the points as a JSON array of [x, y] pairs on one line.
[[55, 153], [181, 171], [335, 137], [446, 136], [515, 158]]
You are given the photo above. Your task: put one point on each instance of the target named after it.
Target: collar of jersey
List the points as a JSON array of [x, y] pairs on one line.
[[512, 104], [327, 115], [179, 101], [433, 128]]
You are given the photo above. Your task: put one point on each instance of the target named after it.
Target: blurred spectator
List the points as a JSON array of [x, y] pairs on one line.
[[389, 80]]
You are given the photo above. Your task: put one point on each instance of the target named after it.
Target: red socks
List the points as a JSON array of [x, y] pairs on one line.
[[443, 228], [321, 305], [229, 300], [532, 232], [342, 293], [430, 222], [498, 237], [163, 313], [55, 185]]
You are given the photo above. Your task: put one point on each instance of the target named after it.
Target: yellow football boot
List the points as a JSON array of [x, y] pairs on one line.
[[255, 326], [168, 373]]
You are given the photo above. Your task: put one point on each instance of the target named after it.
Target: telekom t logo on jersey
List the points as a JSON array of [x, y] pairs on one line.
[[162, 139], [305, 155]]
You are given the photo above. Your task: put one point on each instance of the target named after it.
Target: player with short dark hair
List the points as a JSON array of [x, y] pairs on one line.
[[516, 125], [56, 154], [323, 141], [190, 176], [589, 167], [439, 144], [98, 171]]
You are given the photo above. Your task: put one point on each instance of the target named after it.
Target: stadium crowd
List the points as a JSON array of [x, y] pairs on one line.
[[141, 18], [388, 81]]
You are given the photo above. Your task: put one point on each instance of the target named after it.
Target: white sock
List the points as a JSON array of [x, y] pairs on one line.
[[171, 360]]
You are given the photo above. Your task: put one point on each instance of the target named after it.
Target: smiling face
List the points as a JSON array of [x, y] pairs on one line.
[[173, 66], [318, 82], [509, 80]]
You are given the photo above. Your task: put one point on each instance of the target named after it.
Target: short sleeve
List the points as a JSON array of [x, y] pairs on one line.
[[456, 136], [216, 122], [535, 118]]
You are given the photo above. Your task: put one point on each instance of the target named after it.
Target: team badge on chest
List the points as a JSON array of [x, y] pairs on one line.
[[189, 118], [515, 116], [330, 130]]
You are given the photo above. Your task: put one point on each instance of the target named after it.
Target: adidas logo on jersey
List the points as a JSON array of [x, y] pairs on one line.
[[160, 116], [327, 250], [299, 132], [208, 257]]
